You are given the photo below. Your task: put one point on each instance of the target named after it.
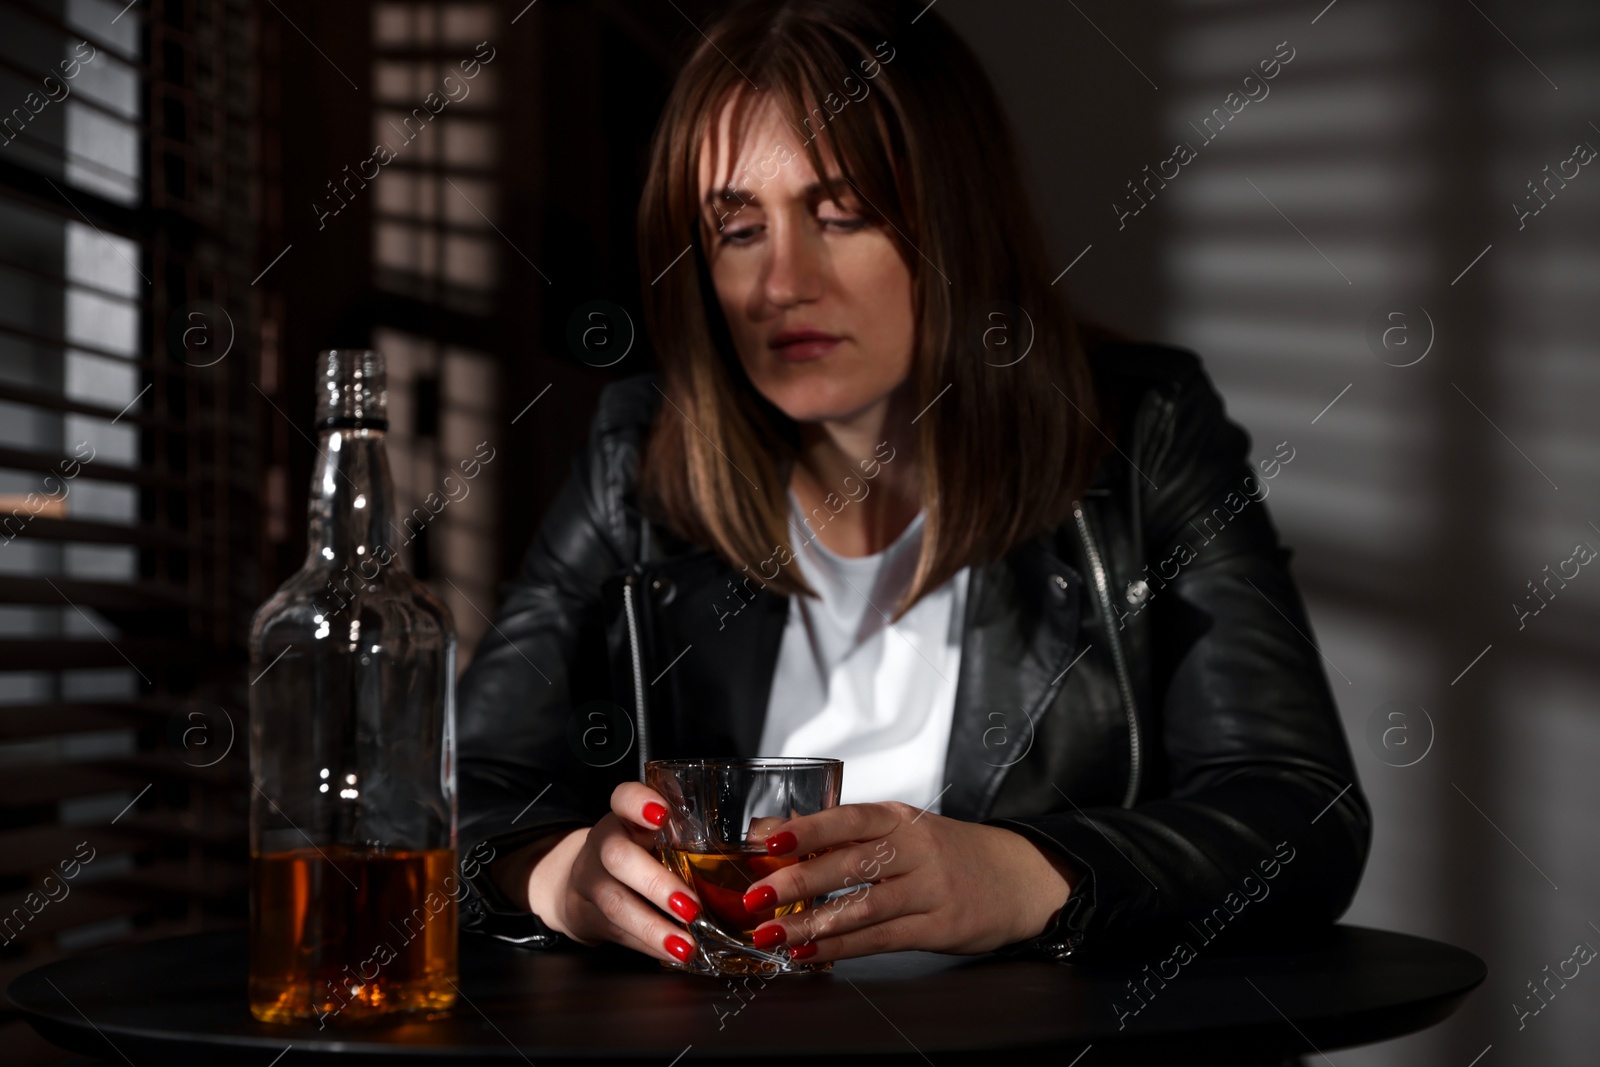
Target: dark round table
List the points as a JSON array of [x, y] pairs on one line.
[[182, 1001]]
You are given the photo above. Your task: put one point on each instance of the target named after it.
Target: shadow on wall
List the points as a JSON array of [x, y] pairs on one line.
[[1376, 222]]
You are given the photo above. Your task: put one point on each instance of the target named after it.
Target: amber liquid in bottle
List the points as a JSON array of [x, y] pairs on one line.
[[344, 935], [720, 880]]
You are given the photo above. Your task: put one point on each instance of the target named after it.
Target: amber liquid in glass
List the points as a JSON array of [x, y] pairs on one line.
[[345, 935], [721, 879]]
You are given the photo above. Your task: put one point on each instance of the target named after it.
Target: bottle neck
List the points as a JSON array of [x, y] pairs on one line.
[[351, 502]]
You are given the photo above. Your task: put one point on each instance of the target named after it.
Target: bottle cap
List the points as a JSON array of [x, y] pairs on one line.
[[351, 391]]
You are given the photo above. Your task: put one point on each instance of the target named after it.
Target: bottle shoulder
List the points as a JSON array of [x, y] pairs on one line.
[[316, 601]]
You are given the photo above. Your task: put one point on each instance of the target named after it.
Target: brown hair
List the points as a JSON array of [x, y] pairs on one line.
[[917, 129]]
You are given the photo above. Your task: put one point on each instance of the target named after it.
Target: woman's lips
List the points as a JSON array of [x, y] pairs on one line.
[[804, 351]]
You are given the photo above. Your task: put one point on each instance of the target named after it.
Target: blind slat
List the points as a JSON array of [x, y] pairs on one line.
[[18, 524], [56, 654], [51, 401], [106, 596], [95, 469]]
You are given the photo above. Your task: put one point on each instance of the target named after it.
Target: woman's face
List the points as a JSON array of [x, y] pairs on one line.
[[789, 264]]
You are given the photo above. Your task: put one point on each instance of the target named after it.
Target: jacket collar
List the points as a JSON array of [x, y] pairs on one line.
[[712, 638]]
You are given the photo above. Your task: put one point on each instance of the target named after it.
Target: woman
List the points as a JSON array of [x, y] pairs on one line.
[[886, 503]]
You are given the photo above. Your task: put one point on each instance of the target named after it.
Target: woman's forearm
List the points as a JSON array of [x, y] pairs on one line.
[[1047, 884], [549, 878], [531, 876]]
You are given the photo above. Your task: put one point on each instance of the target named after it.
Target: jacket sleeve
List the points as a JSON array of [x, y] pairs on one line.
[[525, 766], [1263, 821]]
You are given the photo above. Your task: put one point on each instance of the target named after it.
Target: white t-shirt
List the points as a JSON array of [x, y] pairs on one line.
[[851, 687]]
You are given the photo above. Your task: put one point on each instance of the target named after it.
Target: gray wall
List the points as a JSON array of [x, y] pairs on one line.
[[1355, 197]]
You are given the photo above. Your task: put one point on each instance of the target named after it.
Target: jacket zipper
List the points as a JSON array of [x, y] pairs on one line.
[[638, 672], [1124, 684]]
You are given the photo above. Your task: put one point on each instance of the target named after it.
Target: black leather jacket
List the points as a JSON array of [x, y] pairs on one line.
[[1138, 689]]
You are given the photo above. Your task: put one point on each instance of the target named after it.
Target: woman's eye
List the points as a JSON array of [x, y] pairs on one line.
[[740, 235], [744, 235]]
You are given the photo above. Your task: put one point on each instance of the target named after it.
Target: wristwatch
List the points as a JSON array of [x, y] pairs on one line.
[[520, 928], [486, 909], [1064, 935]]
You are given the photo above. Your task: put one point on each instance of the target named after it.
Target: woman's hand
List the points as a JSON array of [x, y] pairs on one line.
[[603, 883], [925, 882]]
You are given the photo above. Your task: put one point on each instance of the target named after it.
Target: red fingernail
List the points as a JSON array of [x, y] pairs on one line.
[[760, 898], [770, 937], [802, 952], [684, 905], [655, 814], [781, 843], [679, 948]]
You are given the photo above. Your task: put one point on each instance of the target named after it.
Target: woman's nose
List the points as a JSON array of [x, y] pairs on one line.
[[795, 270]]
